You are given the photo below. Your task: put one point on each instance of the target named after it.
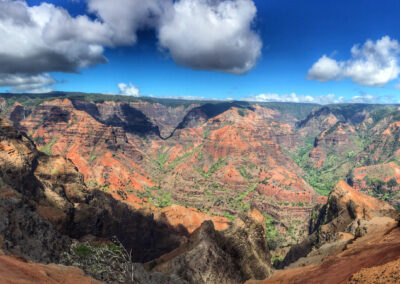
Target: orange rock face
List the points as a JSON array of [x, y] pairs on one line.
[[13, 271], [222, 163], [366, 205]]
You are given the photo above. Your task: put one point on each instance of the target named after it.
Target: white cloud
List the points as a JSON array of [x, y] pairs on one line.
[[27, 83], [294, 98], [324, 69], [211, 35], [191, 98], [373, 64], [199, 34], [46, 38], [364, 98], [328, 99], [128, 90], [126, 17], [40, 39]]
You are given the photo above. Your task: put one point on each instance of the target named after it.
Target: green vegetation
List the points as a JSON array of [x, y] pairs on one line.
[[215, 167], [236, 202], [276, 259], [105, 188], [92, 156], [332, 129], [333, 168], [301, 156], [381, 189], [47, 149], [122, 194], [39, 140], [242, 112], [182, 158], [274, 239], [110, 262], [396, 115], [162, 158], [244, 173], [91, 184], [206, 133], [156, 196], [392, 183], [83, 251], [229, 216], [322, 179]]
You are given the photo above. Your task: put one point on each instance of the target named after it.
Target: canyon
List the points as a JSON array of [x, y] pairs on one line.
[[198, 191]]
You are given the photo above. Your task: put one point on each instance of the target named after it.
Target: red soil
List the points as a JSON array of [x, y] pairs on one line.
[[17, 271]]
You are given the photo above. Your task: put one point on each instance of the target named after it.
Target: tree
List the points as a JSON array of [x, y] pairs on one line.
[[392, 183]]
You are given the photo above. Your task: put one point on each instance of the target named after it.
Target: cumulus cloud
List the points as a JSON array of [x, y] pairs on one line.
[[294, 98], [211, 35], [45, 38], [128, 90], [127, 17], [199, 34], [324, 69], [373, 64], [27, 83]]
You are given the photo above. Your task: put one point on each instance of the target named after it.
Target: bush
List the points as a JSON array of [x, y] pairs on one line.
[[242, 112], [108, 262], [244, 173], [229, 216], [392, 183]]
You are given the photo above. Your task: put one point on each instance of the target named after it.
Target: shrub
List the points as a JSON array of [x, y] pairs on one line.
[[242, 112], [109, 262], [244, 173], [392, 183], [229, 216]]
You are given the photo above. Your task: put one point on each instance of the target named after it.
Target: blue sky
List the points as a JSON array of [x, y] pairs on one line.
[[294, 36]]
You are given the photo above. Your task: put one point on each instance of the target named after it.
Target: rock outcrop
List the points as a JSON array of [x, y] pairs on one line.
[[376, 252], [356, 231], [45, 205], [231, 256]]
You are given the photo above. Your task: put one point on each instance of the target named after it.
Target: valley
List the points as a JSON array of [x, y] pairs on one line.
[[172, 166]]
